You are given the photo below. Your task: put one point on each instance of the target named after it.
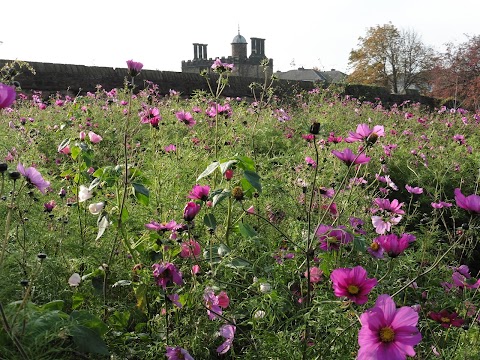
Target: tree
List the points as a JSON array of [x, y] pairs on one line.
[[391, 58], [456, 76]]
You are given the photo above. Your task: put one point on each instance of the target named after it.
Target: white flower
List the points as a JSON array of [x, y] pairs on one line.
[[265, 288], [84, 194], [259, 314], [96, 208], [74, 280]]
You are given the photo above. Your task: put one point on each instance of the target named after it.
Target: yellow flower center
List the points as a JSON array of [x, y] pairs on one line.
[[387, 334], [352, 289], [374, 246], [445, 320], [332, 240]]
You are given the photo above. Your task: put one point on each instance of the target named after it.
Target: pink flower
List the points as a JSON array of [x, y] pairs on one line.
[[375, 250], [440, 205], [134, 67], [364, 133], [190, 249], [228, 332], [331, 238], [388, 333], [414, 190], [310, 162], [170, 148], [220, 67], [446, 319], [165, 273], [174, 298], [190, 211], [94, 138], [349, 158], [199, 192], [177, 353], [315, 274], [215, 303], [186, 118], [393, 207], [151, 116], [82, 135], [394, 245], [383, 224], [352, 283], [470, 203], [228, 174], [34, 178], [7, 95]]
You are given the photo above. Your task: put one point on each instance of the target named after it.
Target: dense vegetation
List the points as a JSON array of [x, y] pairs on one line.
[[201, 249]]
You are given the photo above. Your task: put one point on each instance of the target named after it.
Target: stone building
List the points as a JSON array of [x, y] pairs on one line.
[[244, 65]]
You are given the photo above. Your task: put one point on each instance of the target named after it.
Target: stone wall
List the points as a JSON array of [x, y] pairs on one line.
[[78, 79]]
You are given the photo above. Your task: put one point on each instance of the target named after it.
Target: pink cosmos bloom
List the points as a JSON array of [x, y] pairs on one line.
[[414, 190], [352, 283], [34, 178], [462, 279], [383, 224], [375, 250], [310, 162], [49, 206], [470, 203], [190, 249], [393, 207], [394, 245], [441, 205], [364, 133], [220, 67], [186, 118], [94, 138], [386, 179], [331, 238], [315, 274], [215, 303], [151, 116], [134, 67], [349, 158], [177, 353], [165, 273], [82, 135], [174, 298], [388, 333], [199, 192], [308, 137], [190, 211], [228, 332], [224, 110], [170, 148], [170, 226], [7, 95], [446, 319]]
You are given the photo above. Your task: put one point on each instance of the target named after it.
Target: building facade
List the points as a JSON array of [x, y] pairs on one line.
[[244, 65]]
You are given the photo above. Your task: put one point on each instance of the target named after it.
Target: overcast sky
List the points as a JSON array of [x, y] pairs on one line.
[[160, 33]]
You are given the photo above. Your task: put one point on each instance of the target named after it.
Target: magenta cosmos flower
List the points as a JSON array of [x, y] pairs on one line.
[[134, 67], [315, 274], [228, 332], [199, 192], [94, 138], [446, 319], [414, 190], [220, 67], [165, 273], [364, 133], [186, 118], [177, 353], [190, 249], [34, 177], [7, 95], [331, 238], [215, 303], [394, 245], [151, 116], [388, 333], [352, 283], [349, 158], [470, 203], [190, 211]]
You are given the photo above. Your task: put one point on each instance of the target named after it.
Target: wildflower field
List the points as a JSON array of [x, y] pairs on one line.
[[139, 225]]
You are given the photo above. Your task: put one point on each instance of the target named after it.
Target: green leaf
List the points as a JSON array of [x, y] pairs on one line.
[[360, 243], [226, 165], [75, 151], [88, 341], [89, 320], [52, 305], [102, 224], [246, 163], [254, 179], [124, 217], [210, 221], [217, 198], [77, 300], [210, 169], [141, 193], [247, 230], [238, 263]]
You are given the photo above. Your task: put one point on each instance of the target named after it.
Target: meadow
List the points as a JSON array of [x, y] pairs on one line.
[[139, 225]]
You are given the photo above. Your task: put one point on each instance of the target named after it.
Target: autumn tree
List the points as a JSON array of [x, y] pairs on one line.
[[456, 76], [391, 58]]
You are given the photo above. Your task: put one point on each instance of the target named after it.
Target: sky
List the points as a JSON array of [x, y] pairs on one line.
[[160, 34]]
